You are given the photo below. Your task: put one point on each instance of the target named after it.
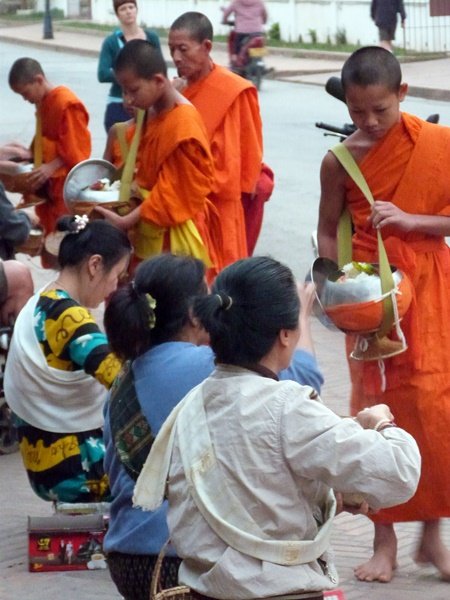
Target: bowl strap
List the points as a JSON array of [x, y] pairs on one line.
[[344, 156]]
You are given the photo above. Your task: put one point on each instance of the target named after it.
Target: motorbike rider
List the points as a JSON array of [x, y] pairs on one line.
[[249, 19]]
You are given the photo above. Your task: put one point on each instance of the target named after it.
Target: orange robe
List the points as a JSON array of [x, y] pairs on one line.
[[65, 134], [229, 107], [410, 167], [175, 168]]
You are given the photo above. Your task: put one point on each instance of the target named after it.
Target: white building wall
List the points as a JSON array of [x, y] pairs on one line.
[[295, 17]]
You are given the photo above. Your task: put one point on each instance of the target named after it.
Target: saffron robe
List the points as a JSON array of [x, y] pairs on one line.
[[409, 167], [175, 171], [65, 134], [229, 107]]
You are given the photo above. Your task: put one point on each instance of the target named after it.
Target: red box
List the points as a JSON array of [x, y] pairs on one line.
[[334, 595], [66, 543]]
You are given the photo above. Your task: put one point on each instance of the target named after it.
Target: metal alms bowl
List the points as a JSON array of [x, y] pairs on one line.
[[84, 174], [355, 305]]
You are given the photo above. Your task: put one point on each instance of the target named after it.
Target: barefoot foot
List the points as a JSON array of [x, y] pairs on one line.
[[384, 560], [432, 550], [379, 568]]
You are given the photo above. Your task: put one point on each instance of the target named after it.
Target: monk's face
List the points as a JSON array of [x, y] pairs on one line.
[[137, 91], [191, 57], [31, 91], [374, 109]]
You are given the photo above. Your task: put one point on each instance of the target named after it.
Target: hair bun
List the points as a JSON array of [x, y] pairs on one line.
[[226, 302]]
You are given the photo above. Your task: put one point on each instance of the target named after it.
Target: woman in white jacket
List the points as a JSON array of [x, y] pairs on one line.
[[253, 461]]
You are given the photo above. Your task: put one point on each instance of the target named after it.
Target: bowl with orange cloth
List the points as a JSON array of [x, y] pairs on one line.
[[350, 299]]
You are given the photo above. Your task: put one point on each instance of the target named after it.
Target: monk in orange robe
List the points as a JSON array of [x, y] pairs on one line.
[[62, 137], [174, 168], [229, 107], [405, 162]]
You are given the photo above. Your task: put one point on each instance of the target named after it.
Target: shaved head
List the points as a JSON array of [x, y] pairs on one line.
[[142, 58], [372, 65], [24, 70], [196, 24]]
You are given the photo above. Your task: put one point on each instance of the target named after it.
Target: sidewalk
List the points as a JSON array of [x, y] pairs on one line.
[[352, 537], [426, 79]]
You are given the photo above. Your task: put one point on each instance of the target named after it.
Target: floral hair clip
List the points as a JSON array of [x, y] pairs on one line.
[[80, 222], [152, 305]]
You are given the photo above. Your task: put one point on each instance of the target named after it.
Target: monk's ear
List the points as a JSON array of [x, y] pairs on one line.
[[159, 79], [207, 45], [403, 90]]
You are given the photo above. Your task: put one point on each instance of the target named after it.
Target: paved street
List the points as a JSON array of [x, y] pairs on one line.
[[294, 148]]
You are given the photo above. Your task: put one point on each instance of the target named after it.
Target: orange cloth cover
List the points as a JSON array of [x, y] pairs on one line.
[[410, 167], [174, 164], [229, 107]]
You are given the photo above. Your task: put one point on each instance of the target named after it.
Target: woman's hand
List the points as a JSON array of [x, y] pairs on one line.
[[344, 503], [369, 417]]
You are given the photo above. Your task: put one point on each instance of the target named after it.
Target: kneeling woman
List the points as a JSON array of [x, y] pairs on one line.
[[252, 460], [150, 325], [60, 366]]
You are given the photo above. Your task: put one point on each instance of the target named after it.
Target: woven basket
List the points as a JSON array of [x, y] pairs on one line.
[[180, 592], [33, 244], [82, 207], [17, 182]]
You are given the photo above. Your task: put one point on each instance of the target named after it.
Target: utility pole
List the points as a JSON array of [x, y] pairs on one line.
[[48, 29]]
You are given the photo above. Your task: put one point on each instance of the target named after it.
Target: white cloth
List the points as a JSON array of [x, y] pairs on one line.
[[219, 506], [279, 453], [45, 397]]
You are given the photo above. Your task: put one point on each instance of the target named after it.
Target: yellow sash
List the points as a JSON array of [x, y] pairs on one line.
[[37, 146], [130, 159], [184, 239]]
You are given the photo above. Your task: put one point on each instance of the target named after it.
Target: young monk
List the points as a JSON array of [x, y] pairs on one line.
[[174, 168], [405, 162], [62, 137]]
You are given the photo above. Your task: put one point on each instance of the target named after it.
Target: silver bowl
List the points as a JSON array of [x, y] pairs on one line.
[[84, 174]]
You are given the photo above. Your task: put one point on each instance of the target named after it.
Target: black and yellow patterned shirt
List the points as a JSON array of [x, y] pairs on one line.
[[71, 339]]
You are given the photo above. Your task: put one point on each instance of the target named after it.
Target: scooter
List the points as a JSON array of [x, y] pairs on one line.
[[249, 62], [334, 87]]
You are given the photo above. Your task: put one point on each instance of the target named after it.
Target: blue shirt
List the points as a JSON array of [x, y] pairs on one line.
[[163, 376]]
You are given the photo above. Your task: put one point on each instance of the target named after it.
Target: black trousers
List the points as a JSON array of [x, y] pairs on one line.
[[132, 573]]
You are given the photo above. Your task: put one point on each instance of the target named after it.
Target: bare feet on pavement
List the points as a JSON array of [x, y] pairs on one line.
[[384, 560], [432, 550]]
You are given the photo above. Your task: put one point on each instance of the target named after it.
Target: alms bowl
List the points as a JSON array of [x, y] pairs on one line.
[[355, 305], [82, 176]]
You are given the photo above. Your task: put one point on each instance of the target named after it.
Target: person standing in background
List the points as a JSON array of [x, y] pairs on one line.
[[229, 108], [249, 19], [384, 14], [126, 11], [62, 140]]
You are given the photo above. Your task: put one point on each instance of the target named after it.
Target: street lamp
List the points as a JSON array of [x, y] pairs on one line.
[[48, 29]]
